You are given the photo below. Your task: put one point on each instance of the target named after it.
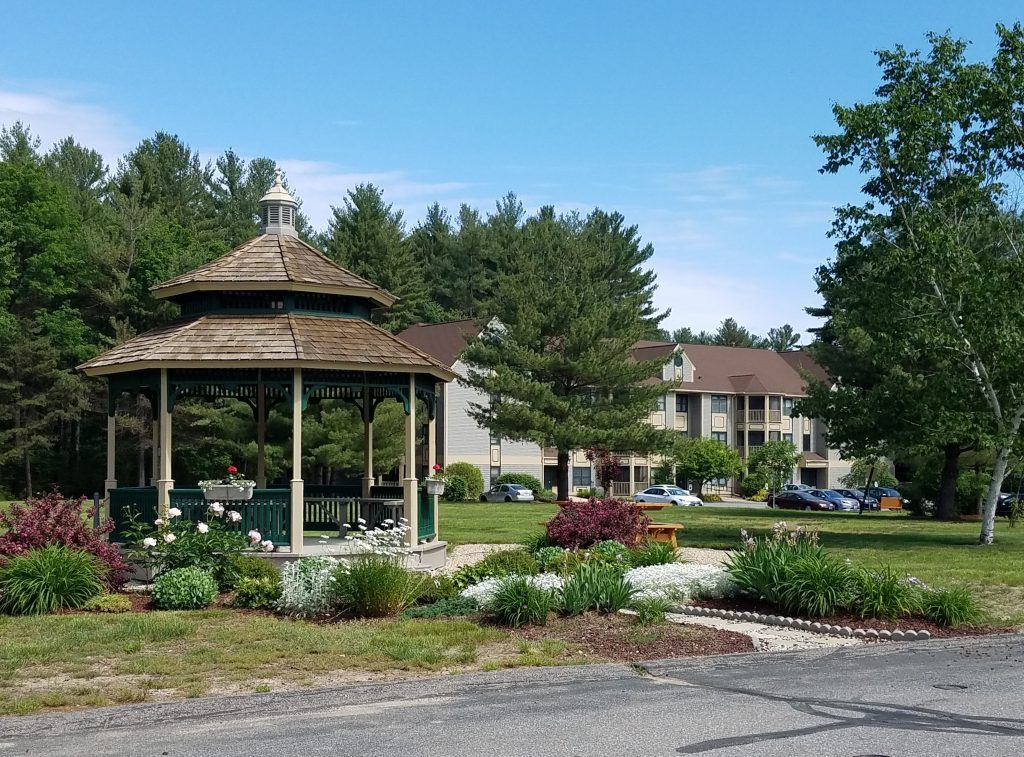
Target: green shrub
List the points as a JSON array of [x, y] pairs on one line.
[[762, 567], [885, 593], [451, 607], [653, 553], [761, 495], [711, 497], [545, 495], [184, 589], [950, 607], [596, 586], [250, 566], [819, 585], [523, 479], [455, 489], [506, 562], [517, 602], [109, 603], [752, 484], [437, 588], [535, 541], [651, 612], [472, 476], [257, 593], [48, 579], [375, 586], [547, 556], [566, 563]]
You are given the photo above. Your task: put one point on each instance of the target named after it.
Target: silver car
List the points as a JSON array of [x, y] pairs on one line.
[[507, 493], [839, 502], [669, 495]]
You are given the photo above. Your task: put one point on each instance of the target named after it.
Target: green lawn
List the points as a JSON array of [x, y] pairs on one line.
[[943, 554]]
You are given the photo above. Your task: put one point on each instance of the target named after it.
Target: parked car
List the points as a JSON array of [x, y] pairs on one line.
[[1004, 504], [507, 493], [841, 502], [794, 500], [884, 491], [670, 495], [796, 488], [869, 502]]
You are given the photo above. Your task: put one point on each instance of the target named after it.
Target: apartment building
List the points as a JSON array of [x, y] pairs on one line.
[[739, 396]]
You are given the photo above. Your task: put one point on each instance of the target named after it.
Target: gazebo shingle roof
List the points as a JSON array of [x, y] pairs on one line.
[[279, 338], [272, 261]]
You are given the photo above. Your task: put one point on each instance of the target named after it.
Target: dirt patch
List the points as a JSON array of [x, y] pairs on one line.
[[618, 638], [912, 622]]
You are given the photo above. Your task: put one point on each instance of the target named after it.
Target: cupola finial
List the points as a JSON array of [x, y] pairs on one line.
[[277, 208]]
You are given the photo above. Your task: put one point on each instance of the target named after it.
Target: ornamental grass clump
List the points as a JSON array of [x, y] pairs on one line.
[[375, 586], [67, 522], [49, 579], [653, 553], [950, 607], [651, 612], [596, 586], [886, 593], [763, 565], [579, 525], [184, 589], [518, 601], [307, 586], [819, 585]]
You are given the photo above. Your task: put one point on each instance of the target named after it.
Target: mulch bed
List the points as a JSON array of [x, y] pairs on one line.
[[912, 622], [619, 638]]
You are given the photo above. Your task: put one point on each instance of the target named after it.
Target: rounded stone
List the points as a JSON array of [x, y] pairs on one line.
[[748, 616], [859, 633], [771, 619], [885, 635], [897, 635], [910, 635], [846, 631], [730, 614], [924, 635], [816, 626], [871, 633]]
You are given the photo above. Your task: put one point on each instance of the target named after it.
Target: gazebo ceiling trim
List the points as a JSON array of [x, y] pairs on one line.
[[274, 261]]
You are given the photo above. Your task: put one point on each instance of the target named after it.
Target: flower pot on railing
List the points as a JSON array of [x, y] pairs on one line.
[[435, 486], [230, 492]]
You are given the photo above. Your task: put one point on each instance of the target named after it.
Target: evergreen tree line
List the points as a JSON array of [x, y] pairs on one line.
[[82, 242]]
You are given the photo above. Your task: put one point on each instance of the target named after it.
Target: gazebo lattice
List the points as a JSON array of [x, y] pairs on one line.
[[276, 322]]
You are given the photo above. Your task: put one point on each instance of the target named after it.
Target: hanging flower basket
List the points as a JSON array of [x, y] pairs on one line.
[[234, 486], [435, 486]]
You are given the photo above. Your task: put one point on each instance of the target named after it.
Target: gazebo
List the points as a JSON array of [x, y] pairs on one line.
[[276, 322]]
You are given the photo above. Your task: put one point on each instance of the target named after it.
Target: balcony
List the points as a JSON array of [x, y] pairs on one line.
[[621, 489], [750, 450], [755, 416]]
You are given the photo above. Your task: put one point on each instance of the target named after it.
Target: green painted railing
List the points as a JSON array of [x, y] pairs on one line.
[[269, 511], [127, 501], [425, 527], [387, 491]]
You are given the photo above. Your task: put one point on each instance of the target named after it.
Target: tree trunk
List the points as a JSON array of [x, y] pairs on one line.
[[562, 478], [945, 507], [988, 519], [28, 474]]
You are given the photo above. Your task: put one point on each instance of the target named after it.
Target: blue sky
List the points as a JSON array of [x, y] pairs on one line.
[[692, 119]]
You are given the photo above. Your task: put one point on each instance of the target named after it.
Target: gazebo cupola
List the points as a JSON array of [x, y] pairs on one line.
[[275, 322]]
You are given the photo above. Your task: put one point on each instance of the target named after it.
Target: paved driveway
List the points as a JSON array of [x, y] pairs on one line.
[[926, 698]]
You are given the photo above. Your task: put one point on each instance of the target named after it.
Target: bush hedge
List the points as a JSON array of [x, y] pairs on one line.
[[472, 477], [184, 589], [582, 524]]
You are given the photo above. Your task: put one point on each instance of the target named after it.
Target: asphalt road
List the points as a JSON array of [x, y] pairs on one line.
[[926, 698]]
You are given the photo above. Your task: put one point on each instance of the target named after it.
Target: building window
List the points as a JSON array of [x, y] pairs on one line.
[[551, 477], [719, 403], [787, 406], [773, 436], [773, 403], [495, 473], [807, 442], [581, 476], [787, 438], [661, 404], [682, 403], [755, 438], [639, 474], [720, 436]]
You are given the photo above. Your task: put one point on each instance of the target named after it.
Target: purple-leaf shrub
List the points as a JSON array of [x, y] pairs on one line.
[[53, 519], [579, 525]]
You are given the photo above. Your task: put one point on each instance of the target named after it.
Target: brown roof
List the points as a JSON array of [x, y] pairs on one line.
[[647, 349], [274, 261], [741, 370], [444, 341], [259, 339], [802, 362]]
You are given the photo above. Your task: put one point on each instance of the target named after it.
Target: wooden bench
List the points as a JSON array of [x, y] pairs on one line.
[[665, 532]]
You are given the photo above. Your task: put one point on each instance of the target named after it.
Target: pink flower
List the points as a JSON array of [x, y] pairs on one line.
[[158, 522], [255, 536], [234, 516], [202, 528], [149, 542], [437, 467], [268, 546], [169, 537], [232, 469], [173, 512], [216, 508]]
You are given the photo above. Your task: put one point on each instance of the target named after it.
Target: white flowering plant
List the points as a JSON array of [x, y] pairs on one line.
[[210, 544], [387, 539], [680, 582], [484, 591], [307, 586]]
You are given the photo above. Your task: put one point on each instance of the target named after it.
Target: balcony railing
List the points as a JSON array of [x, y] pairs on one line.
[[621, 489], [755, 416], [751, 450]]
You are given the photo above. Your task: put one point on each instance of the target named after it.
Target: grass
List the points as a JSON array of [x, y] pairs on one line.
[[943, 554], [91, 660]]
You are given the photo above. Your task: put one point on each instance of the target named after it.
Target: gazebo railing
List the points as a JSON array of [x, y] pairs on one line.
[[425, 526], [126, 501], [268, 511]]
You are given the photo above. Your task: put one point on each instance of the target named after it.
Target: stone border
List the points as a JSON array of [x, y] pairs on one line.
[[804, 625]]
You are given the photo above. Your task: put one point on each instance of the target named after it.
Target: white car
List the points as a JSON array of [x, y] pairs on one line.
[[669, 495], [507, 493]]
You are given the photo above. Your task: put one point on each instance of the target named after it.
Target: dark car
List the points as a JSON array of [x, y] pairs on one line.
[[869, 502], [799, 501], [1004, 504]]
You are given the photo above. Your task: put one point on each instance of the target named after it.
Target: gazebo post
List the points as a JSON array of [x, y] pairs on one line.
[[165, 483], [367, 444], [261, 433], [297, 520], [111, 482], [432, 459], [156, 445], [409, 483]]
